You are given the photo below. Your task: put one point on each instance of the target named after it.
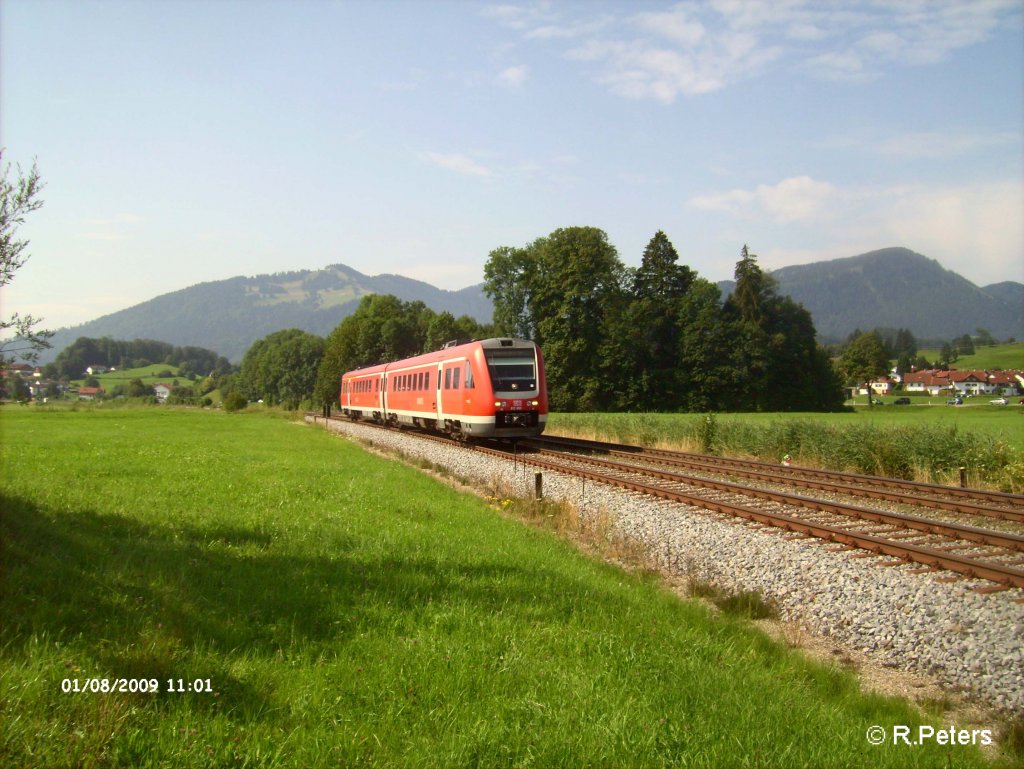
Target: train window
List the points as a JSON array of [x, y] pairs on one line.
[[469, 376], [456, 375], [447, 379], [512, 370]]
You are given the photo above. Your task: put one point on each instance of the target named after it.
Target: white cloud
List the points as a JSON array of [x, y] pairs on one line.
[[462, 164], [676, 56], [925, 145], [976, 230], [798, 198], [522, 16], [696, 48], [935, 144], [514, 76]]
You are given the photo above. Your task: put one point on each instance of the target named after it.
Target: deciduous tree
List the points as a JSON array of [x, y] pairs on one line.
[[864, 359], [18, 198]]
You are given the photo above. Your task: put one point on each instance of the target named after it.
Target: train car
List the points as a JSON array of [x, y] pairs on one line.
[[490, 388]]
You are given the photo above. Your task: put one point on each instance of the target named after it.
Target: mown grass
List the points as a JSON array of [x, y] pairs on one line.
[[349, 610], [907, 442]]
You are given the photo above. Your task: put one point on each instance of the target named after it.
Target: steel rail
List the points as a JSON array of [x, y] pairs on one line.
[[969, 567], [1003, 574], [965, 507], [927, 525], [860, 485]]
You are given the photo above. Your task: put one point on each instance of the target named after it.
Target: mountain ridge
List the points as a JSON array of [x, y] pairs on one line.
[[228, 315], [899, 288], [889, 288]]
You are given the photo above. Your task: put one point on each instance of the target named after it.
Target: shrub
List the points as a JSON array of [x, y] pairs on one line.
[[235, 401]]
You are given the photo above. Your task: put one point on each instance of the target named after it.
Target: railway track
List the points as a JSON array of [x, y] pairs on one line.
[[979, 502], [969, 551]]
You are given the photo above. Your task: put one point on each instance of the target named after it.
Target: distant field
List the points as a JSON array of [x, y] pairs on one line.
[[1001, 356], [149, 375], [347, 610]]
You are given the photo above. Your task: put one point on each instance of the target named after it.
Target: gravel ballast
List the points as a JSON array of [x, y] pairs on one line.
[[970, 642]]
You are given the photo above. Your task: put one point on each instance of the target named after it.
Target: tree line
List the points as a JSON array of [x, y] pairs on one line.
[[653, 338], [615, 338], [657, 337], [73, 360]]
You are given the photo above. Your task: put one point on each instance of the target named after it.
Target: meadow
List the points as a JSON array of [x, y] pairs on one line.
[[917, 442], [152, 374], [338, 609], [1005, 356]]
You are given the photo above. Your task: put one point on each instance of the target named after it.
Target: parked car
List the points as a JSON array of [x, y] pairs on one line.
[[901, 402], [999, 401], [957, 401]]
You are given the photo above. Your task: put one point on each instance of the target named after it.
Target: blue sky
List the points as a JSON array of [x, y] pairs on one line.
[[190, 141]]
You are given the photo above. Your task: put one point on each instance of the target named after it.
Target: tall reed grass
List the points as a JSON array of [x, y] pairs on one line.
[[922, 451]]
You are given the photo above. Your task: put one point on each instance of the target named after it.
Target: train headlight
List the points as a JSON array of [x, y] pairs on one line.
[[534, 403], [498, 404]]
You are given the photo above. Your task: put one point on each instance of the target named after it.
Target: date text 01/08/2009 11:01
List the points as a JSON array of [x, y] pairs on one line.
[[133, 685]]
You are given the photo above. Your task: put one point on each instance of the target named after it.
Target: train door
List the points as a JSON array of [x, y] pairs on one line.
[[439, 403], [451, 391]]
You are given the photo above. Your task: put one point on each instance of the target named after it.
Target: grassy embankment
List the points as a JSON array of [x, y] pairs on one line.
[[350, 610], [911, 442]]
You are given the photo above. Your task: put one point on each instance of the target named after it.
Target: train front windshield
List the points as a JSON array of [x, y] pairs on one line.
[[512, 370]]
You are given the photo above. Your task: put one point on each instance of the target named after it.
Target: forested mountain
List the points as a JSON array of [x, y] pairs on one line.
[[893, 287], [229, 315], [898, 288]]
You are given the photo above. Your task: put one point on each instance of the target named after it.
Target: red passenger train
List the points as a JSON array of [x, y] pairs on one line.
[[492, 388]]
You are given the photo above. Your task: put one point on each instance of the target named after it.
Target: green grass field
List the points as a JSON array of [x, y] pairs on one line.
[[1000, 356], [348, 610], [149, 375]]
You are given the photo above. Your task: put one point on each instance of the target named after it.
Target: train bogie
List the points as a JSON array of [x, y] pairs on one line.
[[492, 388]]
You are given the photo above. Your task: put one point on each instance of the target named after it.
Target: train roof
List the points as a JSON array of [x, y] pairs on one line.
[[450, 350]]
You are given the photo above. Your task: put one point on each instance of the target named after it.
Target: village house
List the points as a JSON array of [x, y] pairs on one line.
[[162, 392], [89, 393], [883, 386], [963, 383]]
